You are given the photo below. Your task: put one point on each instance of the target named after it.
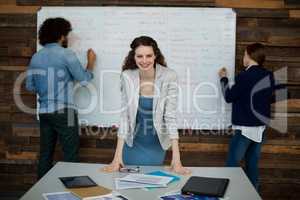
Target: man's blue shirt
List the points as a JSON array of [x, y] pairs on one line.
[[51, 74]]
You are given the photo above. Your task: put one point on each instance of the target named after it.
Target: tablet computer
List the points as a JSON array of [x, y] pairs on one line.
[[77, 181], [207, 186]]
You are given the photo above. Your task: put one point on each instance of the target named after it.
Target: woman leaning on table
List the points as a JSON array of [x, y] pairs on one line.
[[149, 102]]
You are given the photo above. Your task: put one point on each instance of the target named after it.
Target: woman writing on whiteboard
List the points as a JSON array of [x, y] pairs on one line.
[[149, 102], [251, 101]]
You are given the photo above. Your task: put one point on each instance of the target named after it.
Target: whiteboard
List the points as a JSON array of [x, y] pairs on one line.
[[196, 42]]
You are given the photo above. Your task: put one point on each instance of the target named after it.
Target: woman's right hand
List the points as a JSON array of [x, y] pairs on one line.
[[114, 166], [222, 72]]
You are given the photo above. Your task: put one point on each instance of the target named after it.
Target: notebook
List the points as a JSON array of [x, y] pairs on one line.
[[215, 187], [90, 192], [84, 187]]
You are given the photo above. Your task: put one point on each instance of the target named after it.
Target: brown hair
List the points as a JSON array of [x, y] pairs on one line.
[[256, 52], [129, 62]]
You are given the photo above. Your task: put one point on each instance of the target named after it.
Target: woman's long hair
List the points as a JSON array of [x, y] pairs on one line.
[[129, 62]]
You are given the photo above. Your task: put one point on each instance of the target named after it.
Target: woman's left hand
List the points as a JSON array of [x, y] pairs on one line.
[[179, 169]]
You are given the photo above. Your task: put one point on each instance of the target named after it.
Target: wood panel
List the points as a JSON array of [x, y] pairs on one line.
[[113, 2], [294, 13], [8, 2], [292, 4], [10, 9], [250, 3], [262, 13]]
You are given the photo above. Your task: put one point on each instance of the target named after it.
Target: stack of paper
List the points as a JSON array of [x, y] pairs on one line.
[[162, 173], [141, 181]]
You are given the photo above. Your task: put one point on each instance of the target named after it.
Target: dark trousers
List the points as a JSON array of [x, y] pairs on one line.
[[241, 147], [61, 125]]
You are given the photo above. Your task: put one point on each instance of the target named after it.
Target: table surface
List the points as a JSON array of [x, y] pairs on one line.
[[239, 186]]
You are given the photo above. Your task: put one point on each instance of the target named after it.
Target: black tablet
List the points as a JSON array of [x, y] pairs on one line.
[[207, 186], [77, 181]]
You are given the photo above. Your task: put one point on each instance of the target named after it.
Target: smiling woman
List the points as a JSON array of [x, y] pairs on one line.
[[149, 102]]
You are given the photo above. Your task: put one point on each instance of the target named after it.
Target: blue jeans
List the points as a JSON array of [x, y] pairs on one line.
[[240, 147]]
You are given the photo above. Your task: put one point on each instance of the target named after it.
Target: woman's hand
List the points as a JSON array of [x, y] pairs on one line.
[[176, 165], [178, 169], [114, 166], [117, 162], [222, 72]]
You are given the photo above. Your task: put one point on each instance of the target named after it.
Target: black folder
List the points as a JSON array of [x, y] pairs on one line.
[[207, 186]]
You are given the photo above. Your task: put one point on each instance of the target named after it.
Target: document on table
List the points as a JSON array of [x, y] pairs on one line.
[[109, 197], [121, 185], [60, 196], [147, 179], [162, 173], [70, 196]]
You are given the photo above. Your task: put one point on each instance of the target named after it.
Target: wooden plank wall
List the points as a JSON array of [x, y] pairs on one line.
[[276, 23]]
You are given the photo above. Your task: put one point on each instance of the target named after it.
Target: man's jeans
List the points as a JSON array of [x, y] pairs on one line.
[[242, 147], [61, 125]]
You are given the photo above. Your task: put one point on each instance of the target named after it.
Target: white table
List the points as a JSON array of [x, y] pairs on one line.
[[239, 187]]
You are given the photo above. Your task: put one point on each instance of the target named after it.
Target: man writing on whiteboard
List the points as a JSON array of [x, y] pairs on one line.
[[51, 75]]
